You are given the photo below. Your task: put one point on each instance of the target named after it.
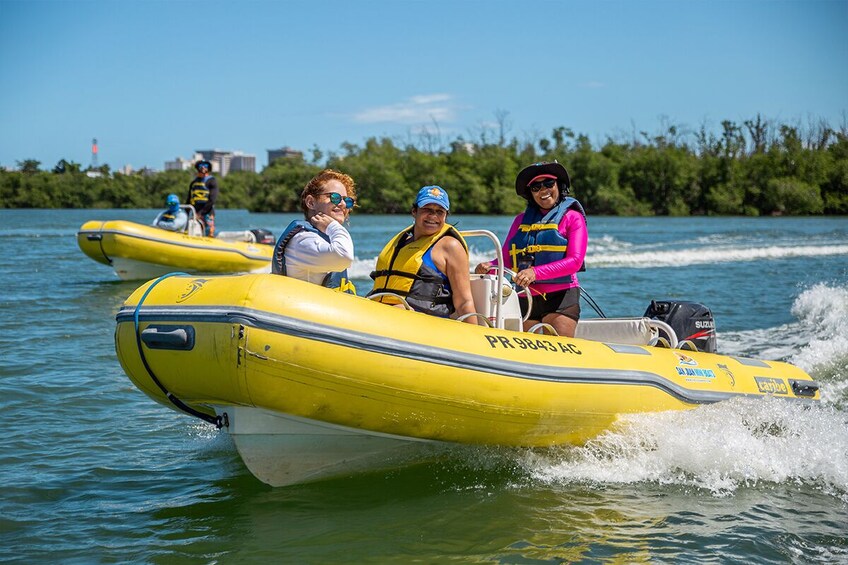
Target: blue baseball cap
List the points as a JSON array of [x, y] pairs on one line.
[[173, 200], [433, 195]]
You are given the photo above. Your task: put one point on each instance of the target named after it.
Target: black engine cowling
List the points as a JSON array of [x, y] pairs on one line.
[[689, 320], [263, 236]]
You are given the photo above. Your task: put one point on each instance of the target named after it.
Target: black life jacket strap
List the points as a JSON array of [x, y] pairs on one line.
[[404, 274]]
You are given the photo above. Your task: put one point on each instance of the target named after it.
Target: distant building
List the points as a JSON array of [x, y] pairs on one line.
[[222, 161], [463, 146], [283, 153], [180, 164], [241, 162], [219, 158]]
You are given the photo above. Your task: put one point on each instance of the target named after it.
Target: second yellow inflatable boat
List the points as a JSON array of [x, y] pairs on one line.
[[139, 252]]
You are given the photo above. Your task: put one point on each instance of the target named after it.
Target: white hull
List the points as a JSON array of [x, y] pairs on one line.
[[282, 450]]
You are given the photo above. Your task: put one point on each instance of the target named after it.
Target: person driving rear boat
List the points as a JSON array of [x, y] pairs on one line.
[[202, 194], [174, 218], [546, 247], [427, 263], [319, 249]]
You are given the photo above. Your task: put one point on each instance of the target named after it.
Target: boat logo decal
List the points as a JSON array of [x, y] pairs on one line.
[[696, 375], [683, 359], [532, 344], [729, 373], [770, 385], [192, 288]]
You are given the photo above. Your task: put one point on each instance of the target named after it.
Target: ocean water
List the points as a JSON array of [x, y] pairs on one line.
[[95, 472]]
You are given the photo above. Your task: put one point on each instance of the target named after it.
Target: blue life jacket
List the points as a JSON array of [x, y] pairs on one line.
[[337, 280], [538, 241]]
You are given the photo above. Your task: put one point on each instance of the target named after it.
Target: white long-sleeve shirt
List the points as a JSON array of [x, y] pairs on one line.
[[177, 224], [309, 257]]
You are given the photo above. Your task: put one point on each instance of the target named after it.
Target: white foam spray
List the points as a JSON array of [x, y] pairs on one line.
[[741, 442], [822, 311], [718, 448], [704, 256]]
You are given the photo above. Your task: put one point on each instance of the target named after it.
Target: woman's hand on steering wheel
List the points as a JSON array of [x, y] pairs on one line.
[[522, 289], [525, 277]]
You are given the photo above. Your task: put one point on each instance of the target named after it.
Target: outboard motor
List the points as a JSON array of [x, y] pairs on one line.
[[263, 236], [689, 320]]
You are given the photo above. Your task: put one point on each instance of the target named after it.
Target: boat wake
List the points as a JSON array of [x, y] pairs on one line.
[[708, 256], [823, 314], [817, 341], [611, 253], [719, 448], [741, 442], [722, 447]]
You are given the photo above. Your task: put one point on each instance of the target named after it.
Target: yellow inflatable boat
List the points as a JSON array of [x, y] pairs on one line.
[[313, 383], [139, 252]]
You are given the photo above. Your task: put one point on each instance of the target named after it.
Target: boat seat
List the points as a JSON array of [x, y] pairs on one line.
[[485, 292], [630, 331], [246, 236], [195, 229]]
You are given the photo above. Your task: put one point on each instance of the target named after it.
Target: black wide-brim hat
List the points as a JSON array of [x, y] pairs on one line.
[[530, 172]]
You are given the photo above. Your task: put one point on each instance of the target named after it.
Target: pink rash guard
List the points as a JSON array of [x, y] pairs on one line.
[[573, 227]]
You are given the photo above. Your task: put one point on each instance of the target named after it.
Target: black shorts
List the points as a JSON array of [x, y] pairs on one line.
[[566, 302]]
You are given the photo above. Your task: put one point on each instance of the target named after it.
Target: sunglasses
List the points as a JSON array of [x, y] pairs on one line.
[[336, 198], [537, 186]]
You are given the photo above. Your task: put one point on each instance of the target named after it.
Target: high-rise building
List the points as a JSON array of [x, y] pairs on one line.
[[225, 161], [283, 153], [222, 161], [180, 164], [241, 162]]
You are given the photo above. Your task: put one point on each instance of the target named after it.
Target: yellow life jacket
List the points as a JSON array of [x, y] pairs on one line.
[[403, 269]]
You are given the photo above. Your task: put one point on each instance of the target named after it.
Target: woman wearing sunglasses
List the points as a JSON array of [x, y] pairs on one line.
[[319, 249], [546, 247]]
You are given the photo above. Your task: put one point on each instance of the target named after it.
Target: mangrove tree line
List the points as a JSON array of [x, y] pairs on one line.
[[754, 168]]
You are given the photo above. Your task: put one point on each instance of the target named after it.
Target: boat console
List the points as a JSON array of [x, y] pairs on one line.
[[662, 324]]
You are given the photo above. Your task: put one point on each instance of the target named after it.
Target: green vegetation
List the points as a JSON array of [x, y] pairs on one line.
[[756, 168]]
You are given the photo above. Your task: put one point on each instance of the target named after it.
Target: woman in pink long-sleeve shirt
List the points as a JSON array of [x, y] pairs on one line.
[[546, 246]]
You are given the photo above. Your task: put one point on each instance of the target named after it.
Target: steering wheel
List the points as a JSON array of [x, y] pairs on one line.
[[519, 290]]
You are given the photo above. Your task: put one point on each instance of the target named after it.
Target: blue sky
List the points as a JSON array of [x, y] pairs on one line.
[[154, 80]]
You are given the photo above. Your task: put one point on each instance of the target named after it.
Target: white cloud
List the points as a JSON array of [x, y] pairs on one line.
[[416, 109], [430, 98]]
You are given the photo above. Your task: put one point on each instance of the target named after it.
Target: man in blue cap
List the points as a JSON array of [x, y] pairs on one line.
[[427, 263], [174, 218]]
